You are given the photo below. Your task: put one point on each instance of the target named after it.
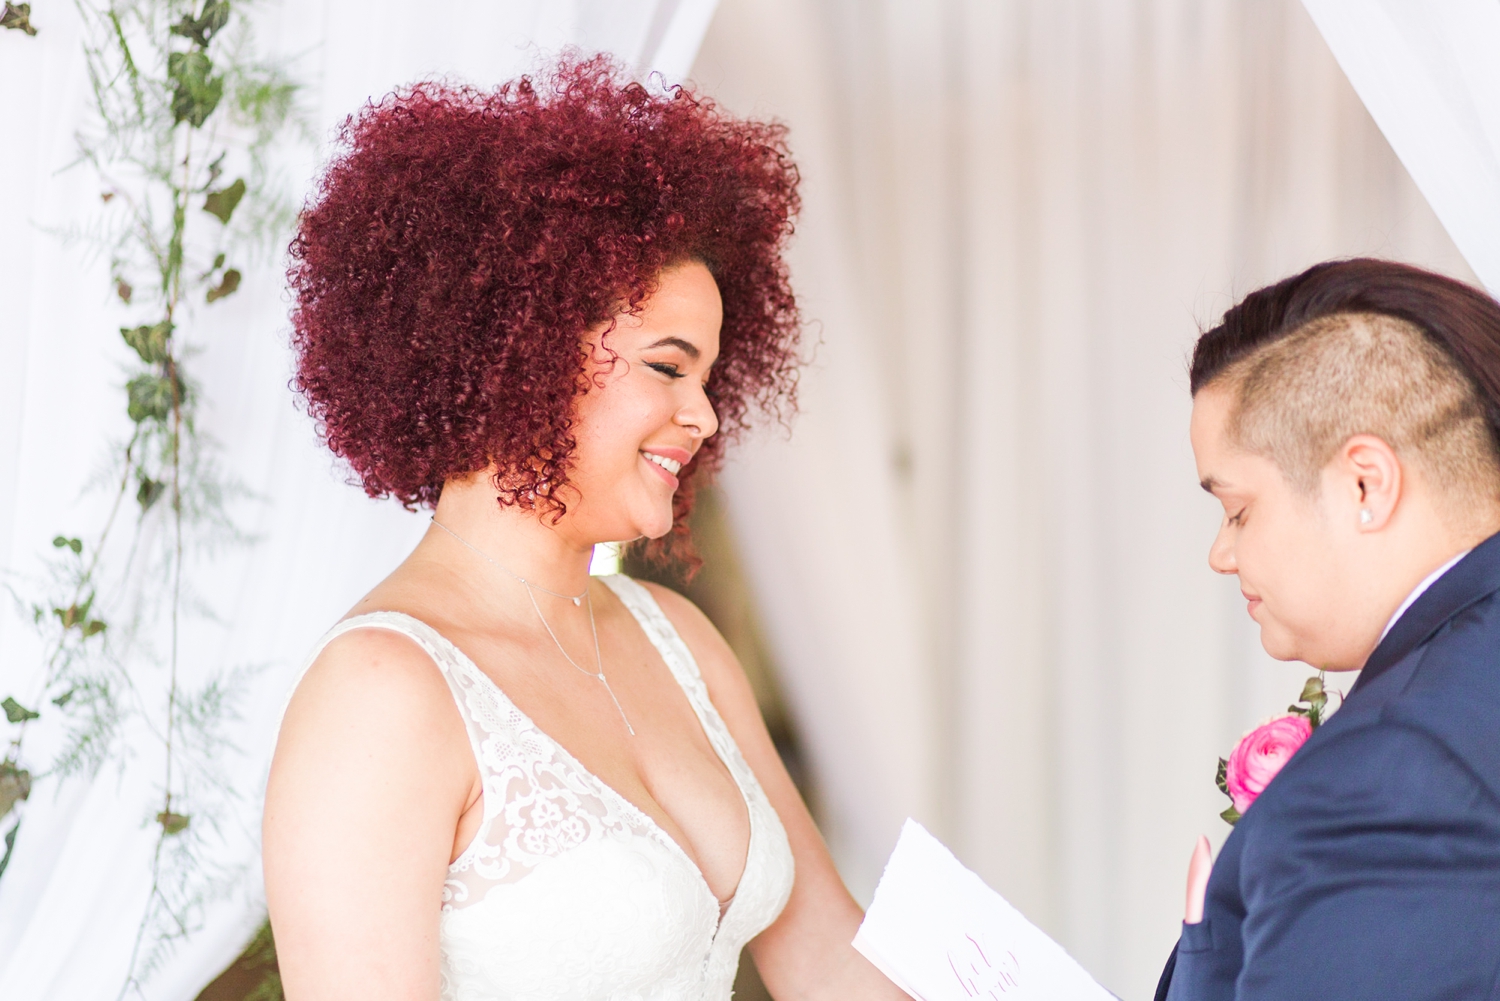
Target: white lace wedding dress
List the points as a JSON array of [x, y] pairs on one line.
[[568, 892]]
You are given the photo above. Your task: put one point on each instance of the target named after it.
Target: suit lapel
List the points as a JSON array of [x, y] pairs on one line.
[[1472, 579]]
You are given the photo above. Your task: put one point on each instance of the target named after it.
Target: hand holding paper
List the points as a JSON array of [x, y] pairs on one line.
[[940, 934]]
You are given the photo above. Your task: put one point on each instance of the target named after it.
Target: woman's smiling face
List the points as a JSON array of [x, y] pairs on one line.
[[647, 413]]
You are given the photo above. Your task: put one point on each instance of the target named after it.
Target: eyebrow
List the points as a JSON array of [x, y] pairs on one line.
[[686, 347], [1209, 484]]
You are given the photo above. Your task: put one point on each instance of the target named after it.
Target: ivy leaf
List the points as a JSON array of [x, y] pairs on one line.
[[195, 94], [1222, 778], [69, 617], [200, 29], [15, 785], [218, 263], [172, 823], [63, 541], [151, 397], [64, 698], [221, 203], [93, 628], [215, 170], [123, 290], [15, 712], [149, 493], [1231, 816], [150, 342], [17, 16], [227, 284]]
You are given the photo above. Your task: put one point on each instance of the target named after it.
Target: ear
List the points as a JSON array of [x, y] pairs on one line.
[[1371, 478]]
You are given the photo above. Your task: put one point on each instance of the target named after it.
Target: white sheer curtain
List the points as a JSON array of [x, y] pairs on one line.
[[981, 552], [77, 882], [1429, 74]]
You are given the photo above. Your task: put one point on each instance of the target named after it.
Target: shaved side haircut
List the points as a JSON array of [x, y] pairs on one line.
[[1365, 347], [1298, 399]]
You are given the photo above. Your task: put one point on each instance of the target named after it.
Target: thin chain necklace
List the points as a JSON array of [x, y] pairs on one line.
[[576, 599], [598, 660]]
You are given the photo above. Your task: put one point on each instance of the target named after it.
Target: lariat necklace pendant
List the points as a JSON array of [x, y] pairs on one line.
[[577, 600]]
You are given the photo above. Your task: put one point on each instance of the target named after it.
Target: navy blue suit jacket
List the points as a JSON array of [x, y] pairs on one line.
[[1370, 867]]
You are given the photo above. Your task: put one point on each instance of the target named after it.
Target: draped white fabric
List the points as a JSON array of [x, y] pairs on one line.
[[981, 552], [77, 883], [1429, 74]]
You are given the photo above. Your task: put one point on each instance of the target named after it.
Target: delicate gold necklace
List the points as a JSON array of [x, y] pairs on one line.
[[575, 599]]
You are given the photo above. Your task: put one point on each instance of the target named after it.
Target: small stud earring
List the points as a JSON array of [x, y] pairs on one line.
[[1365, 517]]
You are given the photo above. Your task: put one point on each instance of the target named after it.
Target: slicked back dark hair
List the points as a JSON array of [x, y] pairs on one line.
[[1462, 320]]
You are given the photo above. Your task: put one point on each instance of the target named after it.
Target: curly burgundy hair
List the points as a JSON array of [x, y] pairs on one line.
[[462, 241]]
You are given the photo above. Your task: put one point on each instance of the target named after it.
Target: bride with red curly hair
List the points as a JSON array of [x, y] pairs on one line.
[[538, 311]]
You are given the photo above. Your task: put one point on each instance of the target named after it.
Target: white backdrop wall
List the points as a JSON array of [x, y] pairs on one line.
[[981, 553], [77, 884], [1428, 73]]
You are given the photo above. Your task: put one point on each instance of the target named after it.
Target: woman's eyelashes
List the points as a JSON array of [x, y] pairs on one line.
[[1238, 518], [667, 369]]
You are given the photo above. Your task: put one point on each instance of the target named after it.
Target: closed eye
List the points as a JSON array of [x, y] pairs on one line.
[[1238, 518], [667, 369]]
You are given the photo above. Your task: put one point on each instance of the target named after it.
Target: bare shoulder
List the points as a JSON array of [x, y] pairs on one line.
[[371, 776], [372, 739], [373, 686], [373, 664]]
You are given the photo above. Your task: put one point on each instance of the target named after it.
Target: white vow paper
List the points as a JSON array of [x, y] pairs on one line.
[[940, 934]]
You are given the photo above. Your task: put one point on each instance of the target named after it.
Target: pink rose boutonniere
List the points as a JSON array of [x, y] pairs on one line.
[[1262, 752]]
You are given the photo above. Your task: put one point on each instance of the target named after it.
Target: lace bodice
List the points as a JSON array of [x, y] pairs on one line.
[[568, 892]]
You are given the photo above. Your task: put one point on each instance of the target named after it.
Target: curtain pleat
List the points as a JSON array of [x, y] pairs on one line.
[[981, 551], [76, 886]]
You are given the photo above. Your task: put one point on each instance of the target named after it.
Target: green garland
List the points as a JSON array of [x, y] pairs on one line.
[[185, 117]]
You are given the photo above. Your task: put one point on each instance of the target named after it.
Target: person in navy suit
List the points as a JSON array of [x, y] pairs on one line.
[[1348, 419]]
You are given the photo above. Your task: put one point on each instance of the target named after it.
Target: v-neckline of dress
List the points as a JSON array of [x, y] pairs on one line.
[[648, 821]]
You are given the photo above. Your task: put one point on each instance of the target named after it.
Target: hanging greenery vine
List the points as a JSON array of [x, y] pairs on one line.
[[185, 117]]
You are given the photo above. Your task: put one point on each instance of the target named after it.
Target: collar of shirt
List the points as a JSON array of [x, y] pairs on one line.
[[1420, 588]]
